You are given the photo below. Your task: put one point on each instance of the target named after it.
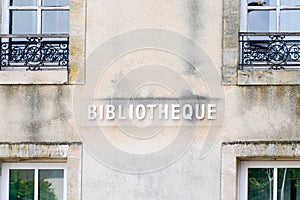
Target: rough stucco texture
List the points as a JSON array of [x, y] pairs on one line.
[[36, 113], [44, 113]]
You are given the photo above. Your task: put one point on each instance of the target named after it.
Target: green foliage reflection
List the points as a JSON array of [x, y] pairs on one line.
[[21, 186]]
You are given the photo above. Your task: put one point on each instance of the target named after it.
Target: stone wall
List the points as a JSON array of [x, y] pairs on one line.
[[36, 113]]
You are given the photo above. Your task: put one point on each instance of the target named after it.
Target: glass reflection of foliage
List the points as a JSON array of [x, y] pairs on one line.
[[21, 189], [260, 184], [288, 184], [46, 192]]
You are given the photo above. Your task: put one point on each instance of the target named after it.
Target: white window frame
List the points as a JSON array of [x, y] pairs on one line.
[[243, 174], [33, 166], [6, 8], [278, 9]]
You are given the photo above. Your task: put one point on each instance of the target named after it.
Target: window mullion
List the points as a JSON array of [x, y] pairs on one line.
[[5, 17], [246, 184], [278, 16], [244, 17], [65, 183], [275, 183], [55, 8], [243, 181], [278, 3], [39, 20], [39, 17], [36, 184], [278, 19]]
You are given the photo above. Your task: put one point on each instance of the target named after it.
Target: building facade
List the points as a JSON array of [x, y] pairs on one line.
[[61, 60]]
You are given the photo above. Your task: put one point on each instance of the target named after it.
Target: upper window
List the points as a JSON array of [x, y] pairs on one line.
[[33, 181], [35, 35], [35, 17], [270, 16], [269, 37], [35, 38], [270, 180]]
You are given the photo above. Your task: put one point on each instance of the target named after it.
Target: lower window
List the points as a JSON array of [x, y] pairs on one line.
[[34, 181], [269, 180]]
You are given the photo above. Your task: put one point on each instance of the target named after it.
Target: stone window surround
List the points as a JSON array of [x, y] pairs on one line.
[[231, 75], [69, 153], [76, 72], [233, 152]]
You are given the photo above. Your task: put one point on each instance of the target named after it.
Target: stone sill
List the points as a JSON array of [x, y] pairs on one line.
[[34, 77], [268, 77]]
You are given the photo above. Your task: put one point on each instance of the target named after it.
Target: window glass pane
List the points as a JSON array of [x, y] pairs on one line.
[[21, 184], [56, 2], [51, 184], [55, 22], [288, 187], [261, 21], [260, 183], [290, 2], [23, 2], [262, 3], [23, 22], [289, 21]]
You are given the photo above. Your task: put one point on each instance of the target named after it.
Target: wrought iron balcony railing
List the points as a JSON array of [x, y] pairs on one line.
[[270, 50], [34, 52]]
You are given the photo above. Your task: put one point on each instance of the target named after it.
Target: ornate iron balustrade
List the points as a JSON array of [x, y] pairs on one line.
[[34, 52], [270, 50]]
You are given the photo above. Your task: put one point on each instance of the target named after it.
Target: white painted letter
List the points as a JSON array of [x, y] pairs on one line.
[[197, 111], [187, 111], [151, 108], [140, 112], [120, 112], [101, 112], [174, 111], [163, 111], [130, 111], [92, 114], [210, 110], [110, 112]]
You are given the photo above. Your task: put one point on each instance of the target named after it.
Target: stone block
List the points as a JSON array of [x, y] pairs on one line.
[[34, 77], [268, 77]]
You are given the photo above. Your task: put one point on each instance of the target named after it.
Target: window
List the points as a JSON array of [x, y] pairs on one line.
[[35, 16], [269, 37], [277, 180], [270, 16], [50, 49], [35, 37], [34, 181], [244, 62]]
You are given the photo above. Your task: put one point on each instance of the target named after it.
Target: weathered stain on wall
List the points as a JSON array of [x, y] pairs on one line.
[[36, 113]]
